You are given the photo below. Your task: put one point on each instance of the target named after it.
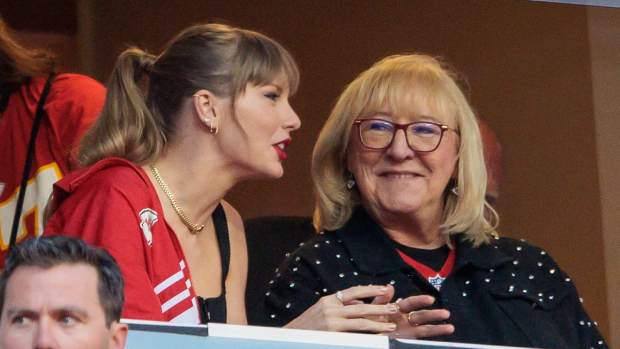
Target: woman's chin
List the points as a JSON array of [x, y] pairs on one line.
[[269, 172], [275, 171], [399, 205], [403, 210]]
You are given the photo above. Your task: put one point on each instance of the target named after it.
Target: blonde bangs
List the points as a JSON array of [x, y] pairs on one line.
[[407, 89], [261, 60]]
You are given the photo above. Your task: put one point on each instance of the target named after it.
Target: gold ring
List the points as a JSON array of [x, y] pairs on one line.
[[340, 296], [397, 306], [411, 322]]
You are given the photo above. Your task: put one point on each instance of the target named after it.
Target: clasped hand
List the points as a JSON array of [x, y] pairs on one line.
[[345, 311]]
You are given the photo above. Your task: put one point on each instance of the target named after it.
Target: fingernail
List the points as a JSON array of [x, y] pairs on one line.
[[391, 327], [383, 289], [392, 308]]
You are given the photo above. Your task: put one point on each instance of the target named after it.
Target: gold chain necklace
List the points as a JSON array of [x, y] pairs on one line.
[[193, 228]]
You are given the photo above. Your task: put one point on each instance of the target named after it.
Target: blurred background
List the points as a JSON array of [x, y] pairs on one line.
[[545, 77]]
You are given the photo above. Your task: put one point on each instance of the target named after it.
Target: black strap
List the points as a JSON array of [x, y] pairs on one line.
[[214, 309], [223, 241], [38, 116]]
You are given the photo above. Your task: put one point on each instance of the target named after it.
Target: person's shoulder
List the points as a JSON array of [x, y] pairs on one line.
[[530, 271], [516, 247], [321, 246], [522, 252], [110, 187], [232, 215], [234, 221], [108, 173], [79, 84], [74, 90]]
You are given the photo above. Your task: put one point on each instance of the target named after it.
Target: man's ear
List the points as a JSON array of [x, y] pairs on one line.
[[118, 335]]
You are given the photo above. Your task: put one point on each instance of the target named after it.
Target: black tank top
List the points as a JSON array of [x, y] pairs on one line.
[[214, 309]]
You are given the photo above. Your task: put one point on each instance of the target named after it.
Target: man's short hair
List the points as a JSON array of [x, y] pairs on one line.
[[48, 252]]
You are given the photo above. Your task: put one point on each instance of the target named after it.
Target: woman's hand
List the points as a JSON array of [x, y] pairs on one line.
[[414, 321], [345, 311]]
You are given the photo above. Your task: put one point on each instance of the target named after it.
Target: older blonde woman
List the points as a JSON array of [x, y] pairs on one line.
[[400, 180]]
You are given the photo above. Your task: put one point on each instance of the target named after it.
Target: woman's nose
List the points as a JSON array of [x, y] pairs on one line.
[[399, 150], [291, 119]]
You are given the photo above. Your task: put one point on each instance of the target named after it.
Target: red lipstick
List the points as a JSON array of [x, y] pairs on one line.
[[279, 147]]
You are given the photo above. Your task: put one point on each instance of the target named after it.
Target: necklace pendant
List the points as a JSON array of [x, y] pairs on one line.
[[198, 229]]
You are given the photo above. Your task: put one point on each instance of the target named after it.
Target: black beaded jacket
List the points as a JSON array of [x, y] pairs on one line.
[[506, 292]]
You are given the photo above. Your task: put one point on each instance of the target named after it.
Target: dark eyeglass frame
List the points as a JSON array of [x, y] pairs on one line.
[[403, 127]]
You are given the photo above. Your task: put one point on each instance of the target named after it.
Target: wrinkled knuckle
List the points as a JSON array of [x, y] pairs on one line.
[[406, 305], [324, 303]]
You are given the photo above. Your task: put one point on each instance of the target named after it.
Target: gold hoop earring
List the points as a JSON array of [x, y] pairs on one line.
[[214, 126]]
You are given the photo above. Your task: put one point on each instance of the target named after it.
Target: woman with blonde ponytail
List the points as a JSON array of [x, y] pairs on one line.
[[177, 132]]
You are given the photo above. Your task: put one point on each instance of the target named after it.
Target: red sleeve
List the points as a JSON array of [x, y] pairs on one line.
[[74, 103], [106, 215]]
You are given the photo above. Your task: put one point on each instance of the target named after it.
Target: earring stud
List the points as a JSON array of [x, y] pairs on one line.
[[350, 183]]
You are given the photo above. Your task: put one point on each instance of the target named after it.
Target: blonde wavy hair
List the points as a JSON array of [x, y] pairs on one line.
[[390, 82], [146, 91]]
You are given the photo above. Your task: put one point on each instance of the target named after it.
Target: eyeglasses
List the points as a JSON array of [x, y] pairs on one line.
[[422, 136]]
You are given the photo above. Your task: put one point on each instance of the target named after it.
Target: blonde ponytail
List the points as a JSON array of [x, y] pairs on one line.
[[126, 127]]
